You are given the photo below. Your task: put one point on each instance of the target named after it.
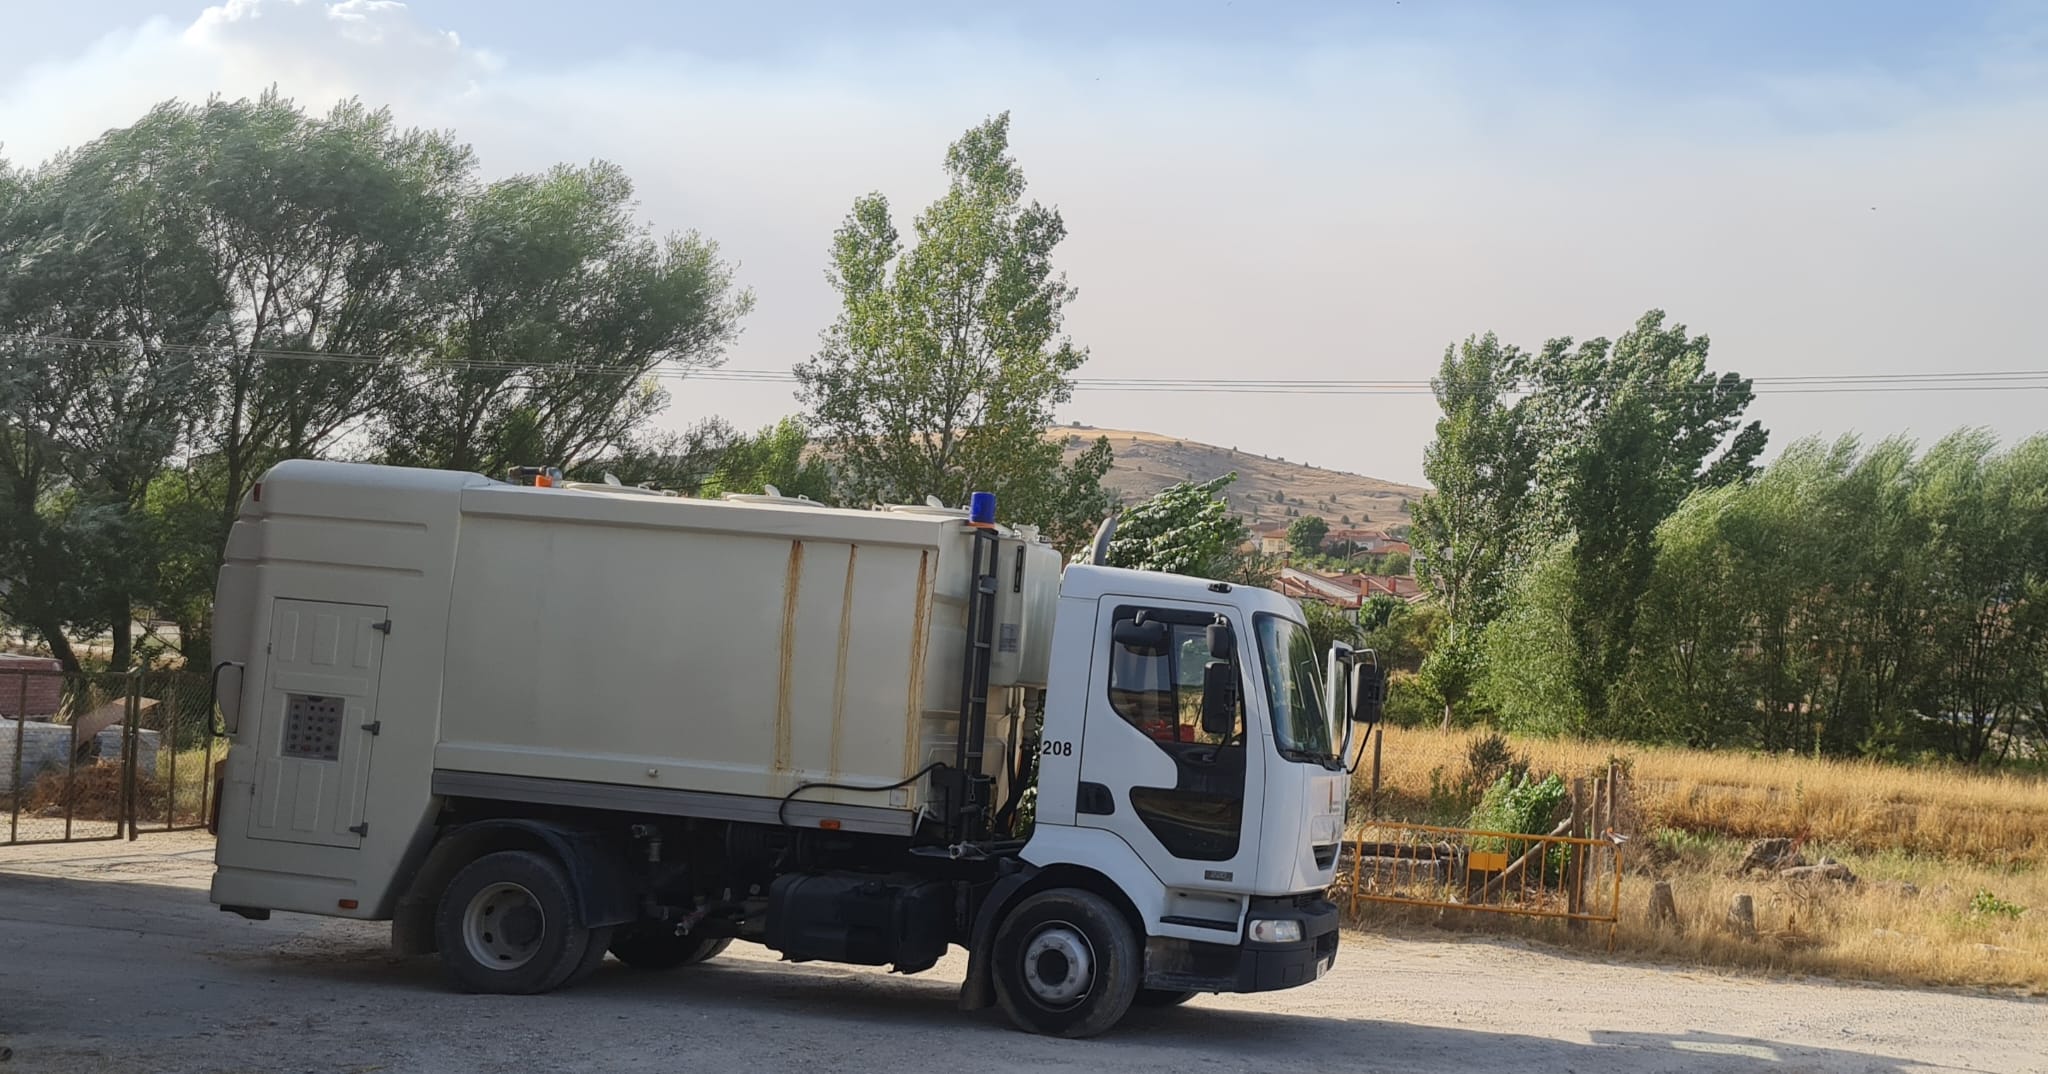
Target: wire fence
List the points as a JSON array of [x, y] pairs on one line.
[[91, 756]]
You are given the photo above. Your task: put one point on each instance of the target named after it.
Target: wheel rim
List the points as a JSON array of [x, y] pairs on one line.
[[1059, 966], [503, 926]]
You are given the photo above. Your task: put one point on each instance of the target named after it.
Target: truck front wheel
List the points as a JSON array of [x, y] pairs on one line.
[[650, 946], [1066, 964], [506, 924]]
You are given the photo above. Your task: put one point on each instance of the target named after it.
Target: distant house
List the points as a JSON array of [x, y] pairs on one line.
[[1361, 541], [1402, 586], [1271, 538], [1347, 591]]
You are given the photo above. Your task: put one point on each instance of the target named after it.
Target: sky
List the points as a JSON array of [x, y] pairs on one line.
[[1278, 190]]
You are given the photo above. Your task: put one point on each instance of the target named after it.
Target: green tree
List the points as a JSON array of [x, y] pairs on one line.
[[92, 416], [676, 460], [1987, 537], [559, 311], [941, 374], [1306, 534], [1184, 529], [1469, 529], [1526, 658], [216, 287], [1396, 563], [1629, 429], [1327, 623], [778, 455], [315, 234]]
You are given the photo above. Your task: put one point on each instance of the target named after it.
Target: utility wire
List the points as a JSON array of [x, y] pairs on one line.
[[1805, 384]]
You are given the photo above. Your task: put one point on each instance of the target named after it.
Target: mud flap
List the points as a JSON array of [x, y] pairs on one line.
[[978, 991]]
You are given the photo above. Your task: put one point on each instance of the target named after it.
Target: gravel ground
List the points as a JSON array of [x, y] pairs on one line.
[[111, 959]]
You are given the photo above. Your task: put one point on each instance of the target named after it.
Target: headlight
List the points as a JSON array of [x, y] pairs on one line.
[[1288, 931]]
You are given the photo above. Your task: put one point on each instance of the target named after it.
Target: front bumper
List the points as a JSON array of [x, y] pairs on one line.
[[1191, 966]]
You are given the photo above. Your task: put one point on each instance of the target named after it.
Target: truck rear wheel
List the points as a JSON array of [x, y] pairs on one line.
[[506, 924], [594, 947], [651, 946], [1066, 964]]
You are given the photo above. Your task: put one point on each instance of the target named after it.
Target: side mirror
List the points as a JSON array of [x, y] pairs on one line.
[[1219, 699], [1368, 693], [1222, 640], [1337, 675], [1144, 637]]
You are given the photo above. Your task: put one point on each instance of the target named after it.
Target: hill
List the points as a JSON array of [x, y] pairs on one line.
[[1267, 490]]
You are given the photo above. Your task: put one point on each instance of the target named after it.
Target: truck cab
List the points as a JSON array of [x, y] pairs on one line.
[[533, 726], [1196, 763]]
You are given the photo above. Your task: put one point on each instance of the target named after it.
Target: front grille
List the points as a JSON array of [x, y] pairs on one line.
[[1326, 855]]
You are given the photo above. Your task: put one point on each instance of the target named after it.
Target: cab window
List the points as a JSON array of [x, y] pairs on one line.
[[1160, 691]]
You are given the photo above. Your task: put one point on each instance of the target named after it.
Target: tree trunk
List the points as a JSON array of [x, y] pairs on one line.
[[60, 646], [195, 644]]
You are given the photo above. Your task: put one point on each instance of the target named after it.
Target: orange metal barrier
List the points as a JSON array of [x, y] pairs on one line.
[[1572, 878]]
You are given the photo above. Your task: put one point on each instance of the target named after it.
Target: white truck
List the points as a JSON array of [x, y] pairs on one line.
[[533, 723]]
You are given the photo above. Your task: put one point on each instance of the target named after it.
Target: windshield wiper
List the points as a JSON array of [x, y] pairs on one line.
[[1302, 756]]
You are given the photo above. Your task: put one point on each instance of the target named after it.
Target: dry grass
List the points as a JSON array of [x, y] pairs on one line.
[[1987, 818], [1923, 842], [92, 791], [1145, 463]]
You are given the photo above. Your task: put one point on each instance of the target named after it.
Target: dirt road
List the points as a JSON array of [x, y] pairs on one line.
[[111, 959]]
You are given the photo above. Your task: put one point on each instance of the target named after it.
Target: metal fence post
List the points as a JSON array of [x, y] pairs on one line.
[[14, 784], [131, 716]]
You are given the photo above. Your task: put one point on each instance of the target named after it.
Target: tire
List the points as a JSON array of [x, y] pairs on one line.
[[506, 924], [650, 946], [1161, 997], [1066, 964], [593, 955]]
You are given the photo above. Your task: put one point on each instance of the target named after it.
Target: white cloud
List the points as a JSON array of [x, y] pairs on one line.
[[1341, 213], [331, 49]]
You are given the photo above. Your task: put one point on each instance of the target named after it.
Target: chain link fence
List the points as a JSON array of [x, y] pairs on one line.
[[88, 756]]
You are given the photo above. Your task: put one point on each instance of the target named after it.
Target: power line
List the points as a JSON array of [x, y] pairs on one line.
[[1804, 384]]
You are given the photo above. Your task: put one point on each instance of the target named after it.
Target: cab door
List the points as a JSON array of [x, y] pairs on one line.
[[1186, 800], [317, 722]]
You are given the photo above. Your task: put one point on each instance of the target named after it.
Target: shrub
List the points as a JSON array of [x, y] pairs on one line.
[[1985, 904], [1514, 804], [1489, 758]]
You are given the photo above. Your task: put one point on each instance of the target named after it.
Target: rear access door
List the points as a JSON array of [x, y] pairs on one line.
[[317, 722]]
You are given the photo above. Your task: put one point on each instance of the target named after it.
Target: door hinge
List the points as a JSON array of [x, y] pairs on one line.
[[383, 627], [375, 727], [359, 829]]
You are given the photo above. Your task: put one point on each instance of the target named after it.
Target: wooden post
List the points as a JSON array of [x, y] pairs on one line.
[[1575, 880], [1664, 908], [1592, 829], [1379, 738], [1742, 916]]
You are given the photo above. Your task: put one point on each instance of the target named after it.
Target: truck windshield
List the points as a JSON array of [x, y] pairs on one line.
[[1294, 690]]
